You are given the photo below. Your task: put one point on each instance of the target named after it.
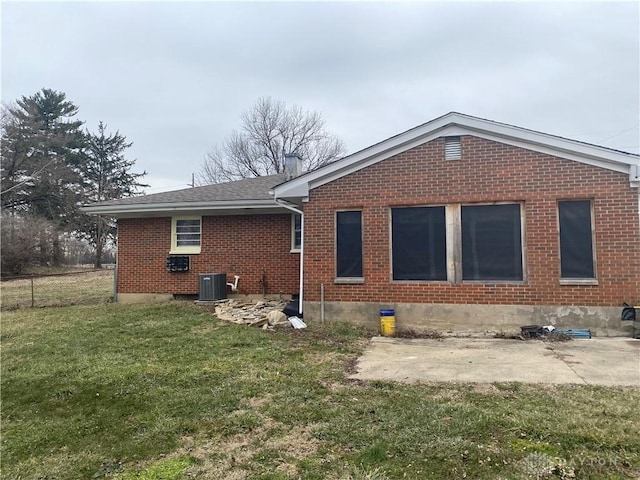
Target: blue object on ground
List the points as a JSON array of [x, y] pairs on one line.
[[575, 332]]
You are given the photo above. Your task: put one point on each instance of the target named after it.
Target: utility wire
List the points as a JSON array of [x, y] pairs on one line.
[[620, 133]]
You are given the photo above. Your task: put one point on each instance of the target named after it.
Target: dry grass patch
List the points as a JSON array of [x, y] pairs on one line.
[[75, 288]]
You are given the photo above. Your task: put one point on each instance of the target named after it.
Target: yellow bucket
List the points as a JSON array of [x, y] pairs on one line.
[[387, 323]]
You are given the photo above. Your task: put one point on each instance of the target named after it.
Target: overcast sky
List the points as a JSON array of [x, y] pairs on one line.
[[175, 77]]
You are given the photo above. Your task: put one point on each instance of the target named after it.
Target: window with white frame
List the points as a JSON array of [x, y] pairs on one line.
[[186, 233], [577, 259], [296, 232]]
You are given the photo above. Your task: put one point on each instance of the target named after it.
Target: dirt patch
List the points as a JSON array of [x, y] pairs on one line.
[[351, 365], [257, 403], [411, 333], [227, 457]]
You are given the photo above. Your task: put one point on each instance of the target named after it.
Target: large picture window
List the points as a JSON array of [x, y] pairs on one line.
[[576, 240], [349, 244], [419, 245], [185, 234], [491, 242]]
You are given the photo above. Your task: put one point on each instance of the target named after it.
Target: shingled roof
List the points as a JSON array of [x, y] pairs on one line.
[[246, 189], [240, 194]]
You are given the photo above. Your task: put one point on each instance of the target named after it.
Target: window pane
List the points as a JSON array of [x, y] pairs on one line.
[[187, 223], [419, 245], [576, 239], [349, 244], [297, 230], [188, 229], [188, 233], [491, 242], [188, 243]]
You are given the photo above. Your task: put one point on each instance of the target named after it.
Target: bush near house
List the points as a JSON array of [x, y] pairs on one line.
[[167, 391]]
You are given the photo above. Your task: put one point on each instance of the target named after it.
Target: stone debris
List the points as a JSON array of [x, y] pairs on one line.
[[263, 313]]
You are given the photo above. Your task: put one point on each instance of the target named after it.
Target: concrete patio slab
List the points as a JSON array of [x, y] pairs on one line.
[[597, 361]]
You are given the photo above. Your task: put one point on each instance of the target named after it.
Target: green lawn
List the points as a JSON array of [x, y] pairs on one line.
[[168, 392]]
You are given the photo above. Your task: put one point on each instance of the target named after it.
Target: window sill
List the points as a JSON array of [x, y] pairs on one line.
[[185, 251], [495, 283], [426, 282], [349, 281], [578, 281], [294, 250]]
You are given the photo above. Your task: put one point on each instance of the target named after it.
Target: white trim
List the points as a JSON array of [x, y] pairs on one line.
[[293, 233], [301, 286], [190, 250], [169, 208], [457, 124]]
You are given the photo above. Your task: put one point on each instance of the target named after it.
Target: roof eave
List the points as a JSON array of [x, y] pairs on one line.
[[453, 124], [182, 207]]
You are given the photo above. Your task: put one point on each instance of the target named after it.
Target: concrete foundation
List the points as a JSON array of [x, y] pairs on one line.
[[144, 297], [166, 297], [474, 319], [255, 296]]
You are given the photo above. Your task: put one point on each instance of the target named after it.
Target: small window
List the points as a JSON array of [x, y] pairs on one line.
[[576, 240], [349, 244], [491, 242], [452, 148], [296, 232], [419, 244], [185, 235]]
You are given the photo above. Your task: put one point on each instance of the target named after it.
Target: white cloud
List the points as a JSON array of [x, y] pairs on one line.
[[174, 77]]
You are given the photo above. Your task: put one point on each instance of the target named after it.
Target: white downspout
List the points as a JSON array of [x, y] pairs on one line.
[[115, 268], [294, 209]]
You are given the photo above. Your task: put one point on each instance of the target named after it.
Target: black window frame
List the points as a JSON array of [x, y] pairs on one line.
[[427, 260], [569, 271], [349, 256], [471, 261]]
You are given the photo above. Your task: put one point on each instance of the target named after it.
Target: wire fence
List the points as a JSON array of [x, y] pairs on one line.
[[73, 288]]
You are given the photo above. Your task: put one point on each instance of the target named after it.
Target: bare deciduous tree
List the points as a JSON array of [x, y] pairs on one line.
[[26, 241], [267, 131]]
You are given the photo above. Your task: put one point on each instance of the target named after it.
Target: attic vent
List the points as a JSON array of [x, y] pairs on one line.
[[452, 148]]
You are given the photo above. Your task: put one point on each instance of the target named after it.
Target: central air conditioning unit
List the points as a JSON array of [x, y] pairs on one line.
[[213, 286]]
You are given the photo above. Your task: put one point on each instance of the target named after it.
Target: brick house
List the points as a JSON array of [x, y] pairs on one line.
[[460, 223]]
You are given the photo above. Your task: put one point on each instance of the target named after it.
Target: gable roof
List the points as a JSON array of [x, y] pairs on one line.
[[261, 194], [234, 197], [458, 124]]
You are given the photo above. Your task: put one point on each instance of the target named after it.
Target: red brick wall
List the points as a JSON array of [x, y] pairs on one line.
[[488, 172], [241, 245]]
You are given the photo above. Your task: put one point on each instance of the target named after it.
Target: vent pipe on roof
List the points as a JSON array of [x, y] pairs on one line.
[[292, 165]]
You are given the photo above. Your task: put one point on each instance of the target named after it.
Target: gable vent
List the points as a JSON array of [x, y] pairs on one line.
[[452, 148]]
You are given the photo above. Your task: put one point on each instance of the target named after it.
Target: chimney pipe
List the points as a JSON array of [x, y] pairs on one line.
[[292, 165]]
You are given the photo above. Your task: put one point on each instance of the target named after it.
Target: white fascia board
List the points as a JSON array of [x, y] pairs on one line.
[[184, 207], [455, 124], [292, 189], [299, 187], [586, 158], [529, 139]]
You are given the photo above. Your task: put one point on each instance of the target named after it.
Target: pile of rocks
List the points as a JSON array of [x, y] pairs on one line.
[[263, 313]]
